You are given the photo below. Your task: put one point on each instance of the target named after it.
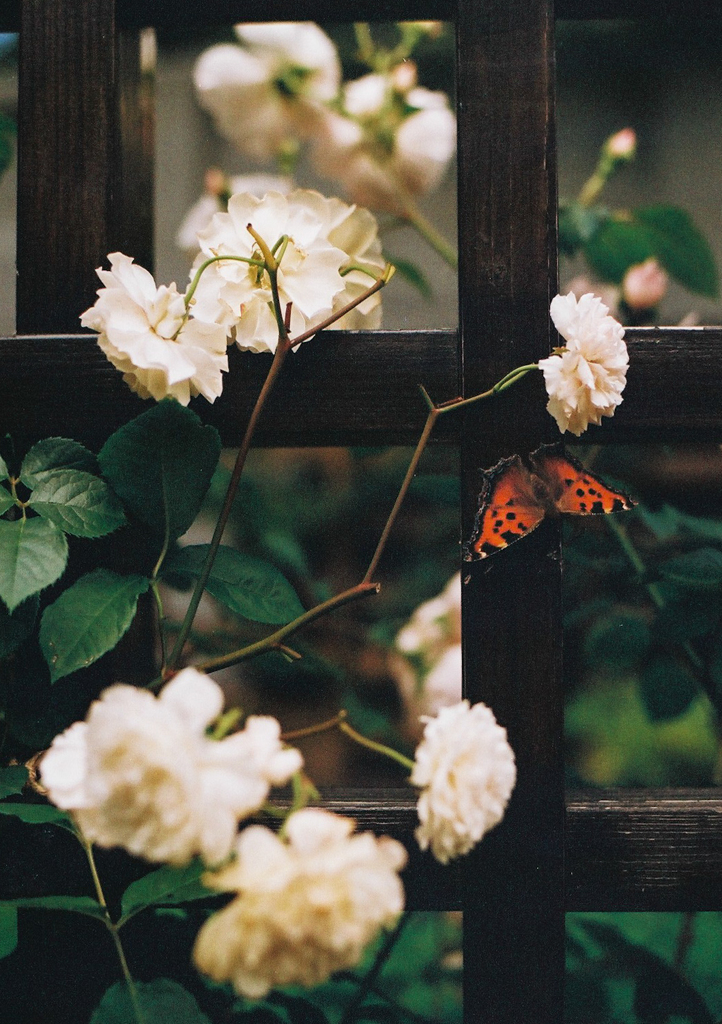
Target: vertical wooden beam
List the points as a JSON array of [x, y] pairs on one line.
[[513, 893], [84, 157]]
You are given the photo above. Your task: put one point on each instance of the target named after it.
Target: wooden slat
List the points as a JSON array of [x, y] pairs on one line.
[[84, 157], [335, 390], [513, 882], [644, 850]]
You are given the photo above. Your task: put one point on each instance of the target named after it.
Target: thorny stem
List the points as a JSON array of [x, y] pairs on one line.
[[388, 273], [369, 980], [113, 929], [434, 412], [313, 730], [269, 642]]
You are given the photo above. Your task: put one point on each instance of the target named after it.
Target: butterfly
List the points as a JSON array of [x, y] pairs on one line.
[[518, 493]]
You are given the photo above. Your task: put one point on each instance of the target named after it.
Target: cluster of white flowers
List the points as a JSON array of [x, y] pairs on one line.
[[426, 660], [586, 378], [466, 771], [383, 137], [168, 344], [307, 905], [141, 773]]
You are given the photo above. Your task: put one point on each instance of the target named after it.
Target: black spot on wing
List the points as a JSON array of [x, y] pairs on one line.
[[597, 507], [619, 505], [511, 515]]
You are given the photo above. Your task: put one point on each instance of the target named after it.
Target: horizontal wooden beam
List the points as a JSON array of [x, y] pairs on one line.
[[352, 388], [644, 850]]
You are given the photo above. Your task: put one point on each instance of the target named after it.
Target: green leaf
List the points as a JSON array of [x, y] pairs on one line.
[[8, 930], [681, 248], [88, 619], [33, 553], [246, 585], [78, 503], [4, 471], [77, 904], [617, 641], [167, 886], [299, 1010], [577, 224], [6, 499], [161, 464], [413, 274], [38, 814], [696, 570], [12, 780], [15, 628], [667, 688], [617, 246], [162, 1002], [55, 453]]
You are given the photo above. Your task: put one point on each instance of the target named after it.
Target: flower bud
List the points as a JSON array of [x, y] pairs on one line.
[[215, 181], [404, 76], [644, 285], [622, 146]]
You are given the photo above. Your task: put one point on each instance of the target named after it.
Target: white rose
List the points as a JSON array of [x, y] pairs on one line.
[[266, 93], [306, 906], [141, 773], [585, 381], [201, 213], [466, 771], [322, 237], [143, 331]]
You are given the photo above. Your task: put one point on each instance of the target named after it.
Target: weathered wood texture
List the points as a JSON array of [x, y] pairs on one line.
[[513, 882], [331, 392], [644, 850], [84, 157]]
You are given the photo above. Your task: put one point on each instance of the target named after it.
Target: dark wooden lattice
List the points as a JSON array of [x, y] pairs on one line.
[[85, 189]]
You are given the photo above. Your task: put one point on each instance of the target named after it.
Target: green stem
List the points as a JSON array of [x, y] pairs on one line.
[[269, 642], [429, 233], [161, 623], [113, 929], [364, 41], [419, 451], [215, 259], [369, 980], [278, 359], [379, 748]]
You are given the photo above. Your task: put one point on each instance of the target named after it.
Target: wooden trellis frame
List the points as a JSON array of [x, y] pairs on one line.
[[85, 189]]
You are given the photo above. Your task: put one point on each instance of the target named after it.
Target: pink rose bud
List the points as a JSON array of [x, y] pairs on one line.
[[404, 76], [644, 285], [215, 181], [622, 145]]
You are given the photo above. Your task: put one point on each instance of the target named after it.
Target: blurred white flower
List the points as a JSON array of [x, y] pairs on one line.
[[322, 237], [465, 768], [143, 331], [426, 662], [644, 285], [201, 213], [141, 773], [392, 142], [586, 379], [306, 906], [608, 293], [267, 93]]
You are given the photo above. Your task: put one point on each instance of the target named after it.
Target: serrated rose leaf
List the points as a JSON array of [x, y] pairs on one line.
[[77, 904], [38, 814], [8, 930], [248, 586], [77, 502], [162, 1001], [33, 553], [88, 619], [54, 453], [4, 472], [12, 780], [161, 464], [168, 886]]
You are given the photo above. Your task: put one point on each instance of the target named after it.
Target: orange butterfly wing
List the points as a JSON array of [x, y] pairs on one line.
[[508, 509], [573, 489]]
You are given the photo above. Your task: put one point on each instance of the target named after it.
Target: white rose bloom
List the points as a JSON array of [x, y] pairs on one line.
[[426, 663], [585, 381], [323, 236], [306, 907], [466, 771], [141, 773], [389, 145], [201, 213], [268, 92], [143, 332]]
